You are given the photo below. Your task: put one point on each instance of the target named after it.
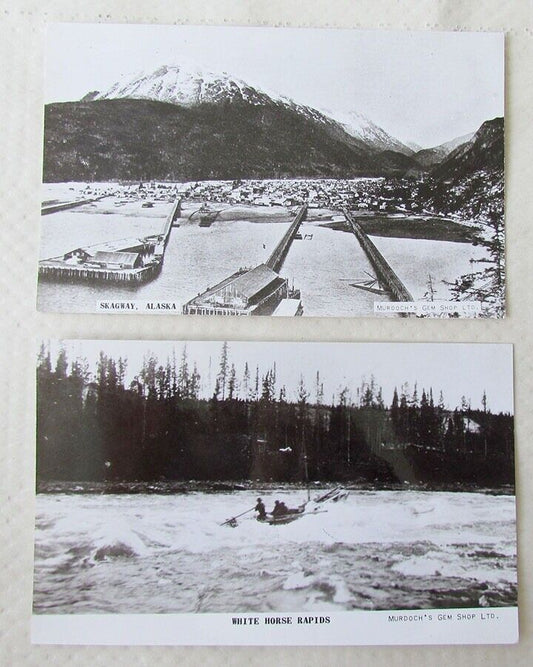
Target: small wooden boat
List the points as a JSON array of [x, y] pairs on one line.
[[308, 508], [288, 517], [282, 514], [369, 285]]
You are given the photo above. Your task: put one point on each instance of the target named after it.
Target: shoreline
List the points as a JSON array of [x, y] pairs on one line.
[[195, 486]]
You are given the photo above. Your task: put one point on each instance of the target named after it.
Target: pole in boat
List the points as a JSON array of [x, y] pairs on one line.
[[233, 521]]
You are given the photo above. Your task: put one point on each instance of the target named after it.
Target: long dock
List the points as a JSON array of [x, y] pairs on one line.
[[276, 259], [394, 287], [169, 222], [55, 208]]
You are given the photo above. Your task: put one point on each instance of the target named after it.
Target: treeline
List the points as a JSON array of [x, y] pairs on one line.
[[165, 425]]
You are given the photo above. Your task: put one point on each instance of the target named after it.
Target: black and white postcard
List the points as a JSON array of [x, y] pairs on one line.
[[274, 493], [272, 171]]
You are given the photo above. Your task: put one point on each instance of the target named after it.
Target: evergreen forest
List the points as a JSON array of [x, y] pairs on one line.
[[165, 423]]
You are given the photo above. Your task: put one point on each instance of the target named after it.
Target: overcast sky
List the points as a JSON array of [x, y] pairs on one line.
[[456, 369], [424, 87]]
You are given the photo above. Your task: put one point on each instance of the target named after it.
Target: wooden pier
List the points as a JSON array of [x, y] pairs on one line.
[[61, 270], [55, 208], [75, 274], [169, 222], [276, 259], [385, 274]]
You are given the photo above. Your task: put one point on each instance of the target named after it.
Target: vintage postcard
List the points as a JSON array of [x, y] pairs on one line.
[[272, 171], [274, 493]]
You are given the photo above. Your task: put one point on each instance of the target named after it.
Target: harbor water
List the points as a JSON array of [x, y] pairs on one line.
[[323, 264]]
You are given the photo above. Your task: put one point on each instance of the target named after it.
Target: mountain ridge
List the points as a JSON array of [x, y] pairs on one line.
[[429, 157], [484, 151], [189, 85], [142, 139], [186, 123]]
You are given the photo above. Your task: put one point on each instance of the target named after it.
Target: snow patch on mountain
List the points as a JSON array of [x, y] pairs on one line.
[[458, 141], [184, 85], [429, 157], [361, 127]]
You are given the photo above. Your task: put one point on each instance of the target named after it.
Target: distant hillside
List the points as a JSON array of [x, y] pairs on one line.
[[394, 162], [184, 122], [429, 157], [470, 181], [483, 152], [143, 139], [359, 126], [188, 84], [181, 122]]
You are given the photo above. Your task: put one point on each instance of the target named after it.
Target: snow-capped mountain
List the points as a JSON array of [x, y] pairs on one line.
[[429, 157], [359, 126], [186, 123], [185, 85], [189, 85]]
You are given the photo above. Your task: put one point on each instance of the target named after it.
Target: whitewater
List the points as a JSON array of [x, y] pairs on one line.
[[142, 553]]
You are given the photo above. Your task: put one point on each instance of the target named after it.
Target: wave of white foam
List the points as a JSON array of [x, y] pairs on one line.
[[149, 524]]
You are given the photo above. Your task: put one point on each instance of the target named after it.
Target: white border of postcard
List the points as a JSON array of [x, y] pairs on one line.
[[497, 625]]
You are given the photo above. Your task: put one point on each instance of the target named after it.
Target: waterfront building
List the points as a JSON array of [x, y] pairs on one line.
[[117, 260], [255, 291]]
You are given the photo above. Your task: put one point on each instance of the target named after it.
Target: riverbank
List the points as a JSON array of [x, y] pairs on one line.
[[199, 486]]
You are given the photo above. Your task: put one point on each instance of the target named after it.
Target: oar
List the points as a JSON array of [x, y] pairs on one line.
[[234, 518], [327, 495]]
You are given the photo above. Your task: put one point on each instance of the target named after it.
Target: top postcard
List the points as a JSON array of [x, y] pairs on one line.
[[273, 171]]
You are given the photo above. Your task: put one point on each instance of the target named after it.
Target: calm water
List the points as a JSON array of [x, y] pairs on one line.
[[322, 267], [414, 260], [375, 550]]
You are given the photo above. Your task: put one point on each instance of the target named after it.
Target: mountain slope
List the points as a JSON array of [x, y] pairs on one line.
[[470, 181], [397, 163], [211, 125], [188, 85], [359, 126], [484, 152], [429, 157], [181, 122], [184, 85], [142, 139]]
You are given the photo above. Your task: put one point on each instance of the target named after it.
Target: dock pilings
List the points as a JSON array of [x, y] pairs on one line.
[[384, 272]]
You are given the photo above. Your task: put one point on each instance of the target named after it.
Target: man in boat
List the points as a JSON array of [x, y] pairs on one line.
[[280, 509], [260, 509]]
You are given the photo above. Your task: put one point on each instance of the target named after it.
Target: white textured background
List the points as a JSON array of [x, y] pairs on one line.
[[21, 54]]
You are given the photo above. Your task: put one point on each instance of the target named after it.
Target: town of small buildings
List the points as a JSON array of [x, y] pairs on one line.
[[363, 194]]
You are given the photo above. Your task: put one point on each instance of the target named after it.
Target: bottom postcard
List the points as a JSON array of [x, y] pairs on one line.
[[274, 494]]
